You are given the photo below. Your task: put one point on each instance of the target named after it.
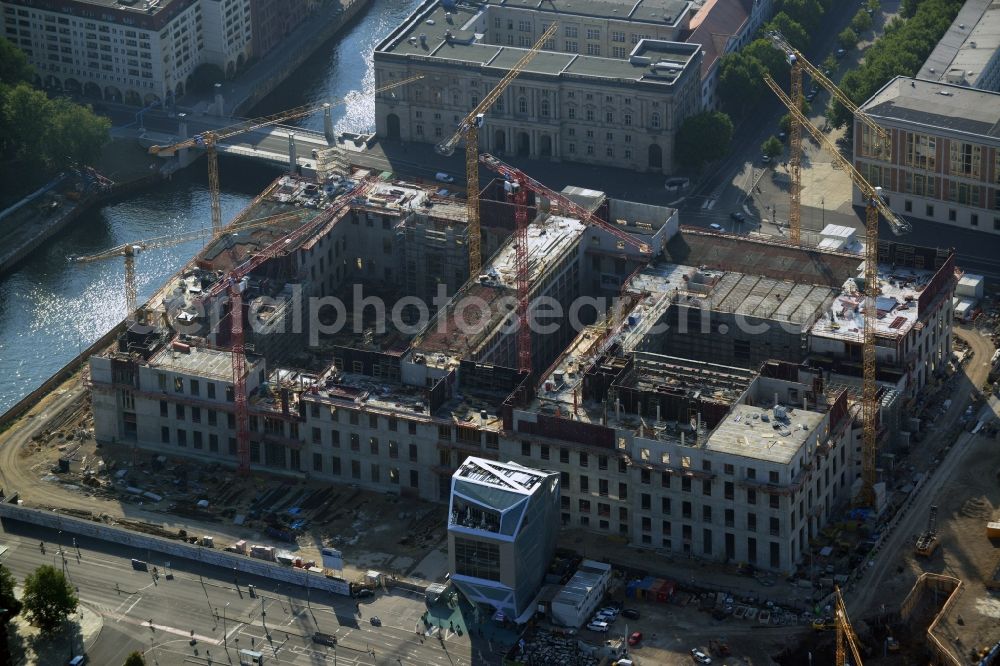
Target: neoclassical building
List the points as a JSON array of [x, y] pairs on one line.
[[611, 88]]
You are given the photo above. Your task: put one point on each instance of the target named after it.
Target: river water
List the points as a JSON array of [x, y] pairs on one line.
[[52, 308]]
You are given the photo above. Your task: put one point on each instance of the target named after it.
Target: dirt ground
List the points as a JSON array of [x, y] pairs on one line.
[[372, 530]]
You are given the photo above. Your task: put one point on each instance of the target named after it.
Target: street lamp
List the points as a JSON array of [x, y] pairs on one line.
[[822, 202], [224, 626]]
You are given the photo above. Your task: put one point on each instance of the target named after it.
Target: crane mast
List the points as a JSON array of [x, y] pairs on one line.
[[517, 186], [873, 207], [795, 160], [468, 130]]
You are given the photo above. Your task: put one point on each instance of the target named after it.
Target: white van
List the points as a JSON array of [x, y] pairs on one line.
[[441, 176]]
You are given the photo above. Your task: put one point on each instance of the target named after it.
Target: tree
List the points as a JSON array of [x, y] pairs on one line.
[[7, 598], [848, 38], [772, 147], [739, 86], [861, 21], [135, 659], [829, 63], [14, 67], [807, 13], [703, 137], [791, 29], [48, 597]]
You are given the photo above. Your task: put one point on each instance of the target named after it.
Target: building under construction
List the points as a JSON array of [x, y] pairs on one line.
[[709, 411]]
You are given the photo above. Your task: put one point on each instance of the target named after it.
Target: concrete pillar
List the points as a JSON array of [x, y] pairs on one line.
[[182, 126], [219, 102], [328, 124], [293, 158]]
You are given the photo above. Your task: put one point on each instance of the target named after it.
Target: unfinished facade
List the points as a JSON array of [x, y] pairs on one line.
[[718, 444]]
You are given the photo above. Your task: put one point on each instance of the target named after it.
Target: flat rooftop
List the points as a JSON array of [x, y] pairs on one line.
[[660, 12], [745, 432], [476, 310], [198, 362], [968, 45], [508, 476], [756, 256], [937, 105], [897, 305], [435, 33]]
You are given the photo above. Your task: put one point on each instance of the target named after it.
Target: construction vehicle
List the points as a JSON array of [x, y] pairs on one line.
[[845, 633], [928, 540], [468, 130], [881, 140], [517, 184], [874, 206], [128, 251], [209, 140]]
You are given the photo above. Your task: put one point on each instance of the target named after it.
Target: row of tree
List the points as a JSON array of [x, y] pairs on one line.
[[47, 600], [741, 72], [907, 42], [37, 132]]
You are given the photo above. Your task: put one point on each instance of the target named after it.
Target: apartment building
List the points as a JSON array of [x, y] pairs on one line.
[[721, 27], [610, 89], [944, 162], [272, 20], [138, 53], [228, 29], [502, 524]]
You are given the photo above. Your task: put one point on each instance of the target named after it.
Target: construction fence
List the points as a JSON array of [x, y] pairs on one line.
[[144, 543]]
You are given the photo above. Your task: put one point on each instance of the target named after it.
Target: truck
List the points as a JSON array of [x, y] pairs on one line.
[[928, 541]]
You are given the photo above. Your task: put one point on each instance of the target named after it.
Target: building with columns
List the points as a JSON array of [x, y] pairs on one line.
[[610, 89]]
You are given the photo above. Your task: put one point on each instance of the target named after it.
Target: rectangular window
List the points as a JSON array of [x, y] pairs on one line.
[[966, 159], [920, 151], [477, 559]]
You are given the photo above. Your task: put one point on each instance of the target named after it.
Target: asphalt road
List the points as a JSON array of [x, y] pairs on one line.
[[972, 377], [202, 617]]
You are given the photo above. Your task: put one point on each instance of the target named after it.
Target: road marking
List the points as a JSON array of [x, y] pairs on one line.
[[129, 610]]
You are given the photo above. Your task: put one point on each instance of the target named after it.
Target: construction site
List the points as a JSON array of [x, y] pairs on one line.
[[797, 429]]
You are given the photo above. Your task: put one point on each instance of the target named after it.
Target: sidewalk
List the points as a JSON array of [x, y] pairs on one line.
[[29, 646]]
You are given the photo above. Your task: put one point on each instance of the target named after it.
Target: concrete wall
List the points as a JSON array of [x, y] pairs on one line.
[[146, 542]]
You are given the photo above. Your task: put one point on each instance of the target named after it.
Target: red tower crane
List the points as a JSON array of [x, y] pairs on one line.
[[233, 283], [518, 185]]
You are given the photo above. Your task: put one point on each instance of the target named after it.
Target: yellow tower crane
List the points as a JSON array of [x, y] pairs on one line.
[[468, 130], [845, 633], [128, 251], [209, 140], [873, 207], [880, 137]]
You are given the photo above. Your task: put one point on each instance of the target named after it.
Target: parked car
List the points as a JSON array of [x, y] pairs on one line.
[[715, 226], [811, 96], [631, 613], [841, 53], [599, 627], [738, 217], [376, 621], [635, 638], [443, 177], [364, 592], [676, 183], [765, 159], [700, 657]]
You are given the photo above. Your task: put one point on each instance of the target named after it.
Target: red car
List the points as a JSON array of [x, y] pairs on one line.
[[635, 638]]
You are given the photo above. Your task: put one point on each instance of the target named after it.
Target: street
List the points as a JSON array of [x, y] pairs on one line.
[[201, 616]]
